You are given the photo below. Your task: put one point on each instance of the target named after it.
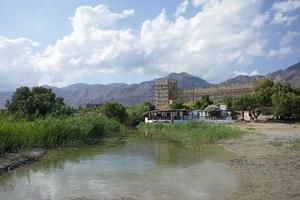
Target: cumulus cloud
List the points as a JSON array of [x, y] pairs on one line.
[[94, 47], [15, 63], [280, 53], [182, 8], [220, 38], [288, 37], [217, 38]]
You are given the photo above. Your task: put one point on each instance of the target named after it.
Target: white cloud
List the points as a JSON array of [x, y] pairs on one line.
[[280, 53], [288, 37], [182, 8], [94, 47], [253, 73], [287, 6], [283, 19], [16, 68], [218, 38], [261, 20], [199, 2], [282, 9]]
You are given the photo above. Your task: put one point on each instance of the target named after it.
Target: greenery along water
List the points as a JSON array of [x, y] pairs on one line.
[[136, 168]]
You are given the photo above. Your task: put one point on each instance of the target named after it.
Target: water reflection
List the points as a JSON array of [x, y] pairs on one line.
[[137, 168]]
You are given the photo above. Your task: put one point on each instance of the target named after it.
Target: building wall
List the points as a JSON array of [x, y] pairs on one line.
[[166, 90]]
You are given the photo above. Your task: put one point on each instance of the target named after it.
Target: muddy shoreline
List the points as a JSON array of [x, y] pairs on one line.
[[12, 161], [266, 161]]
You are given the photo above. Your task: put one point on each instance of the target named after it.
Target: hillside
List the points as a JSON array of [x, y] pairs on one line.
[[290, 74], [131, 94], [240, 79]]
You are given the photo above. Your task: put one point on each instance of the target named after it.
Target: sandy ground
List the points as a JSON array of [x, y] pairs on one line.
[[267, 161]]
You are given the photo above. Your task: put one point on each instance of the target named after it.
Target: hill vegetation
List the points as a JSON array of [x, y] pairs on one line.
[[134, 94]]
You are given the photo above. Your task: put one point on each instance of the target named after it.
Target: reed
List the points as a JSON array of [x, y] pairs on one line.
[[54, 132], [192, 133]]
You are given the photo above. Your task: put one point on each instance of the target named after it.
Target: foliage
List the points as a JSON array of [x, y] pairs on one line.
[[226, 101], [176, 104], [114, 110], [36, 102], [135, 113], [285, 105], [192, 133], [203, 102], [270, 98], [53, 132]]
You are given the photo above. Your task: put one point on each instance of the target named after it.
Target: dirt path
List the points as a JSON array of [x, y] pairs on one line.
[[267, 161]]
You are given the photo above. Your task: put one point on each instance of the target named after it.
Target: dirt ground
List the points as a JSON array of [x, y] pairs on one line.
[[267, 161]]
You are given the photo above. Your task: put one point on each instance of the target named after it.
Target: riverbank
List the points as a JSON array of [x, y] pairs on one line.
[[10, 161], [267, 161]]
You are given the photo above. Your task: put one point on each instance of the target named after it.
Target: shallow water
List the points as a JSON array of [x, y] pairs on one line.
[[136, 168]]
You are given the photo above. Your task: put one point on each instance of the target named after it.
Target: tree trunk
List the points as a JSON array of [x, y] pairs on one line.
[[243, 116]]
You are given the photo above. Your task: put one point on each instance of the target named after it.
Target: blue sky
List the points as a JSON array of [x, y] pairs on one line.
[[62, 42]]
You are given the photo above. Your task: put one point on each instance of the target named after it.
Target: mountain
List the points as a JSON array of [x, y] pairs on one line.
[[81, 93], [185, 80], [240, 79], [290, 74], [131, 94]]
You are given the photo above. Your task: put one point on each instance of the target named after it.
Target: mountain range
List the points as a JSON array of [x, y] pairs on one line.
[[131, 94]]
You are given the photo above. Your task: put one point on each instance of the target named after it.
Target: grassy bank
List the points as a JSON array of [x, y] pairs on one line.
[[55, 132], [192, 133]]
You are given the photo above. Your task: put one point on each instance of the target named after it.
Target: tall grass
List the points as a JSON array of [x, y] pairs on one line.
[[192, 133], [54, 132]]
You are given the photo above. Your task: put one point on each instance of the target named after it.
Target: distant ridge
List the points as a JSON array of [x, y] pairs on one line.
[[290, 74], [131, 94], [240, 79]]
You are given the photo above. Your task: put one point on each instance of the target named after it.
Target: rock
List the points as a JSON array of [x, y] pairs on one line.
[[13, 160]]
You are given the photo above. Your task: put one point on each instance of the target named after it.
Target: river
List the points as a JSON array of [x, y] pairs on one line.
[[137, 167]]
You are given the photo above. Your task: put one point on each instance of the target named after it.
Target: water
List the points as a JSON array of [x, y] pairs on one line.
[[136, 168]]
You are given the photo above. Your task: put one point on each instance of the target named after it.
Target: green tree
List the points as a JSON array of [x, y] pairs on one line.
[[177, 105], [264, 91], [240, 103], [114, 110], [203, 102], [32, 103], [135, 113], [285, 105], [227, 101]]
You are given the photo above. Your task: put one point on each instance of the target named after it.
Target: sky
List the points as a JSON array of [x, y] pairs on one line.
[[57, 43]]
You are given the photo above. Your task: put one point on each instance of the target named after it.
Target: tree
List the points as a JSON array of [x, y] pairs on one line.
[[264, 91], [135, 113], [177, 105], [148, 106], [227, 101], [285, 105], [114, 110], [203, 102], [36, 102], [240, 103]]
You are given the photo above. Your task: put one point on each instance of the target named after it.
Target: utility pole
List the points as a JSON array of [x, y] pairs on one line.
[[193, 95]]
